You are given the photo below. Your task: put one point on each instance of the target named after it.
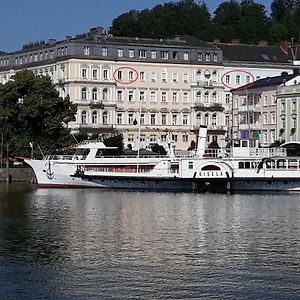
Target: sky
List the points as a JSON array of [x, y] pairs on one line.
[[25, 21]]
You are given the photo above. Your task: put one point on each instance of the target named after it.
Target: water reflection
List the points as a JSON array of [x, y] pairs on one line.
[[102, 244]]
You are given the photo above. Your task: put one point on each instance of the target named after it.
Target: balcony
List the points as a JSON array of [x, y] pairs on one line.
[[246, 108], [94, 128], [253, 126], [208, 106]]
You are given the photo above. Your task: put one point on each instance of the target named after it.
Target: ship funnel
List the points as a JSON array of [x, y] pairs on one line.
[[201, 140]]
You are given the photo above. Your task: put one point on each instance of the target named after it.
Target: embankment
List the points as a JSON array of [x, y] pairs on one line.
[[24, 174]]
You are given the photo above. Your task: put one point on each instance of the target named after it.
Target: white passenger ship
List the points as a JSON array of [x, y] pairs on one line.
[[243, 167]]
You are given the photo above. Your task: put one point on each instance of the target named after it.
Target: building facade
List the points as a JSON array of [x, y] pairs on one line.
[[148, 89]]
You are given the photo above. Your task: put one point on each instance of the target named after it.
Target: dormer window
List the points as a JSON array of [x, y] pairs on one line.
[[86, 50]]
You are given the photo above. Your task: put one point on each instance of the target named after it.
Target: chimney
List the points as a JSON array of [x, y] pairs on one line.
[[216, 41], [235, 42], [97, 31], [262, 43], [51, 41], [285, 46]]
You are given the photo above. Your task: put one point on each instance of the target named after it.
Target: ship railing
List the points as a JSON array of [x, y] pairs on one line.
[[266, 152], [60, 157]]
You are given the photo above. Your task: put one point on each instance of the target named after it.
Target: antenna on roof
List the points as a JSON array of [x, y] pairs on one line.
[[293, 49]]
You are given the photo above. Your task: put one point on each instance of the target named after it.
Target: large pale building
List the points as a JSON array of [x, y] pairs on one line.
[[149, 89]]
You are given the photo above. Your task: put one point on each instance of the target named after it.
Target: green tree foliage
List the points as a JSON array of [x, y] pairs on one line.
[[246, 20], [32, 111], [167, 20]]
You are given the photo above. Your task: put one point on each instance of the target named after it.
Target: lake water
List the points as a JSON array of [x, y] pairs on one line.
[[93, 244]]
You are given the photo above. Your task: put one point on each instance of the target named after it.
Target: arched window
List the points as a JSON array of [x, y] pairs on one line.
[[214, 120], [207, 74], [198, 96], [84, 117], [94, 94], [105, 118], [206, 96], [198, 118], [198, 75], [105, 94], [94, 117], [83, 93], [206, 118], [214, 76], [214, 97]]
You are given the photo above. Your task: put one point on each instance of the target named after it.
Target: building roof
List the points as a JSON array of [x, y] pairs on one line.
[[267, 82], [253, 53]]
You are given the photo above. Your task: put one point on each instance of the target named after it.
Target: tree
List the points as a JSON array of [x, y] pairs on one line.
[[279, 9], [32, 111], [226, 21]]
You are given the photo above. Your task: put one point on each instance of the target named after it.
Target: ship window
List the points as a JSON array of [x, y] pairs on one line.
[[244, 144], [247, 165], [210, 168], [241, 165], [191, 165], [281, 163]]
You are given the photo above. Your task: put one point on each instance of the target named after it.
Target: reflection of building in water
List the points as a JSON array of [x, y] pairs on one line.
[[175, 84]]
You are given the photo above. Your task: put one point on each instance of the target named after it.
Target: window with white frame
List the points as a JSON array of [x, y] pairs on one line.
[[86, 50], [105, 117], [142, 76], [130, 75], [214, 97], [120, 52], [119, 75], [185, 119], [214, 120], [130, 138], [119, 118], [265, 118], [142, 138], [164, 76], [84, 73], [185, 97], [153, 54], [164, 54], [227, 120], [175, 77], [198, 119], [83, 93], [206, 119], [227, 98], [207, 56], [163, 137], [206, 97], [94, 117], [248, 79], [185, 77], [105, 94], [130, 118], [131, 53], [174, 138], [163, 96], [163, 119], [265, 100], [198, 97], [199, 56], [294, 105], [142, 96], [185, 138], [94, 94], [142, 53], [104, 52], [83, 117], [105, 74], [174, 119], [152, 138], [95, 73], [237, 79], [153, 96], [227, 79], [174, 97], [130, 96], [273, 117], [153, 119], [185, 56], [215, 57], [142, 119], [153, 76], [119, 95], [273, 136], [283, 106]]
